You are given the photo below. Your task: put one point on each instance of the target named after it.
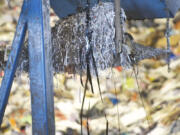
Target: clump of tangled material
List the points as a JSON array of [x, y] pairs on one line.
[[69, 41]]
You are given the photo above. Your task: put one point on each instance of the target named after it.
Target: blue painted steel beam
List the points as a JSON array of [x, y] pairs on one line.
[[41, 80], [13, 60], [135, 9], [35, 17]]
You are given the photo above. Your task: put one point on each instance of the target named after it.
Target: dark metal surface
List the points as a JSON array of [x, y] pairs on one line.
[[135, 9]]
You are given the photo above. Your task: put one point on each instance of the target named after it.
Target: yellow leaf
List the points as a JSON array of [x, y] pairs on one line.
[[12, 122], [129, 84]]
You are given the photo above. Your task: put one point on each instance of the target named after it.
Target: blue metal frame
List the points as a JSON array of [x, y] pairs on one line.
[[40, 68], [13, 60], [135, 9], [34, 17]]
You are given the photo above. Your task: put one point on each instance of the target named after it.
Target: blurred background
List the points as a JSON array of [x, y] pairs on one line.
[[122, 104]]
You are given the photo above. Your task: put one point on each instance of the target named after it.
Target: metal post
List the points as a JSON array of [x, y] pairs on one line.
[[40, 68], [35, 17], [13, 60]]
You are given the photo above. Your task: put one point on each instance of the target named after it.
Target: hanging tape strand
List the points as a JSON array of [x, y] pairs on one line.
[[167, 34]]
